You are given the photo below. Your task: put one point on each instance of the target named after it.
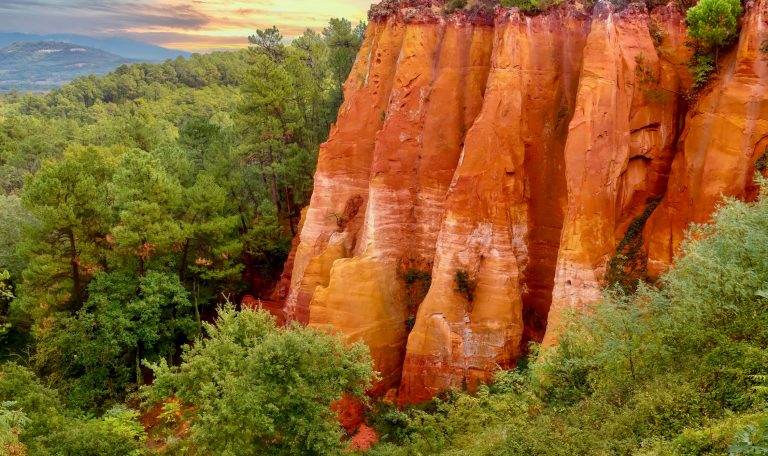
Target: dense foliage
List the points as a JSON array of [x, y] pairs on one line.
[[712, 25], [677, 369], [131, 206], [259, 389]]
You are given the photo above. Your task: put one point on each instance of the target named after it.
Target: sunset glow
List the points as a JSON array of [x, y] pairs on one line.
[[194, 25]]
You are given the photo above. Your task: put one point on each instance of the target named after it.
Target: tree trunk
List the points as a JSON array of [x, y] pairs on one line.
[[139, 377], [195, 295], [142, 259], [275, 196], [183, 267], [75, 263], [717, 57], [291, 208]]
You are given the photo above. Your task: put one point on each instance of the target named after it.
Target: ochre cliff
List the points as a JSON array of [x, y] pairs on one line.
[[516, 150]]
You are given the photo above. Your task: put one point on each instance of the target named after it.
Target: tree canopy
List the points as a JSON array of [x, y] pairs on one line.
[[259, 389], [714, 22], [133, 205]]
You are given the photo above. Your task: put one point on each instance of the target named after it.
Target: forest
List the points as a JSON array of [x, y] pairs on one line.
[[134, 208]]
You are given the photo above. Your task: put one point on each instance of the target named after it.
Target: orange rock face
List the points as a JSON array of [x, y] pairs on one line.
[[725, 133], [485, 166]]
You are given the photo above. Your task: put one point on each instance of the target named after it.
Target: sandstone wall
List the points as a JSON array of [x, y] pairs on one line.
[[517, 150]]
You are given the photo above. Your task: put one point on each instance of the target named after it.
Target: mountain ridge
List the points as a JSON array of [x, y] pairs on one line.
[[47, 64], [124, 47]]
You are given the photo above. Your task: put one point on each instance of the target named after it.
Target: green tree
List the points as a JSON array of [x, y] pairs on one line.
[[268, 42], [266, 243], [95, 354], [259, 389], [71, 207], [212, 250], [6, 297], [307, 63], [48, 428], [270, 121], [343, 43], [714, 23], [13, 218], [146, 200], [211, 254]]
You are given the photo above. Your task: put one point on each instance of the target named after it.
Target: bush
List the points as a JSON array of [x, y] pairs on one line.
[[752, 439], [117, 433], [465, 285], [712, 24], [50, 429], [12, 423], [260, 389], [629, 265], [454, 5], [702, 67], [530, 6]]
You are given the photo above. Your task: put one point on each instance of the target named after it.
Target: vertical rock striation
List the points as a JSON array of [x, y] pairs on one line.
[[725, 133], [620, 145], [512, 161], [513, 152]]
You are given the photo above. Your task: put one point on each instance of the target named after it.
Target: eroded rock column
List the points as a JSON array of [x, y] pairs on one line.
[[485, 231]]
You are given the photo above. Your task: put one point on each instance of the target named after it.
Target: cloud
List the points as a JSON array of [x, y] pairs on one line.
[[98, 16], [200, 42], [198, 23]]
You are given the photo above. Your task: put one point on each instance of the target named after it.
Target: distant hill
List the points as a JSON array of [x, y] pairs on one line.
[[45, 65], [124, 47]]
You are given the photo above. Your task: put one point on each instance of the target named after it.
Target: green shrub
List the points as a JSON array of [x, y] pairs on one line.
[[530, 6], [752, 439], [454, 5], [117, 433], [712, 24], [465, 284], [702, 67], [657, 31], [50, 429], [417, 284], [761, 164], [629, 265], [12, 423], [260, 389]]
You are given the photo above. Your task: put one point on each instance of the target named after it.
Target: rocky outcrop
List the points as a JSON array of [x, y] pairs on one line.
[[620, 145], [486, 164], [725, 133]]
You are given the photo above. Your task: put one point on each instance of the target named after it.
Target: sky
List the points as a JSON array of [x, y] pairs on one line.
[[193, 25]]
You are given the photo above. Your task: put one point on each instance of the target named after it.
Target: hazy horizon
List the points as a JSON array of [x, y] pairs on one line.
[[194, 25]]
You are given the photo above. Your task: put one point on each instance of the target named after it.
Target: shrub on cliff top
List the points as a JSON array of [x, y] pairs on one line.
[[712, 24], [530, 6], [454, 5]]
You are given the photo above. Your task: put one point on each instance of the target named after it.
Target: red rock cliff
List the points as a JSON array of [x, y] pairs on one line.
[[516, 150]]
